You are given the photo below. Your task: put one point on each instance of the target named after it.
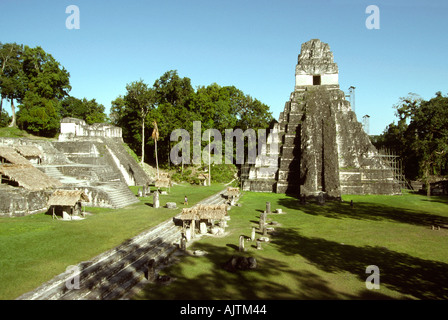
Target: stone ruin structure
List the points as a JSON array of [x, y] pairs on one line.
[[88, 158], [72, 128], [318, 149], [204, 217]]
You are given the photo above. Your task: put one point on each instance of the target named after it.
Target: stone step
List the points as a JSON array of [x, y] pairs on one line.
[[53, 172], [118, 272], [114, 272], [132, 276], [120, 196], [57, 288], [95, 275], [126, 278]]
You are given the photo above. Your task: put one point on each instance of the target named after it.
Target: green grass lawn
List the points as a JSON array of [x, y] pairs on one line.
[[322, 252], [15, 132], [35, 248]]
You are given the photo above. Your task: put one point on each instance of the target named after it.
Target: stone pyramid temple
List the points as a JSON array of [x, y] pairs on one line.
[[318, 148]]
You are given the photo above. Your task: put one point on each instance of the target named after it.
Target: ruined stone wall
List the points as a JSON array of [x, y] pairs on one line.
[[16, 202], [131, 171], [362, 171], [108, 157], [288, 177], [72, 128], [324, 149], [89, 164], [50, 154]]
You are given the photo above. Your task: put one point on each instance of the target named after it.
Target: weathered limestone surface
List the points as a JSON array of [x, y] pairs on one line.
[[262, 176], [323, 150], [89, 158], [319, 166], [316, 62], [20, 202]]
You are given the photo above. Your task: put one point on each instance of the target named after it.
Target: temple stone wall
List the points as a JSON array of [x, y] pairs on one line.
[[319, 164], [91, 160], [323, 149], [72, 128], [15, 202], [104, 153]]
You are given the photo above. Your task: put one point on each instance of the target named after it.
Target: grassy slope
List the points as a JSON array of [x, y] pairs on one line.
[[35, 248], [17, 133], [321, 252]]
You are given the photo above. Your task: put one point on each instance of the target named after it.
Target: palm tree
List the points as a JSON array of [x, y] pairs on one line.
[[155, 136]]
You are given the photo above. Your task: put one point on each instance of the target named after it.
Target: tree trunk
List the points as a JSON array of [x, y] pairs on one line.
[[209, 165], [143, 140], [13, 111], [157, 161], [169, 148]]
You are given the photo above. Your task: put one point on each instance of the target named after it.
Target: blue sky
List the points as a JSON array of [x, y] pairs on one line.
[[252, 45]]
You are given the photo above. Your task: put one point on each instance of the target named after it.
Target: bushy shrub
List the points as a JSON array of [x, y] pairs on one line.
[[223, 173]]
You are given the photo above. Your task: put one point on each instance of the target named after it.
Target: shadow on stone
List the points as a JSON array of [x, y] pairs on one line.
[[238, 263]]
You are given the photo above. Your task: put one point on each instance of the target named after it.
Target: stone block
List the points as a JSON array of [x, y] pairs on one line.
[[171, 205], [203, 228]]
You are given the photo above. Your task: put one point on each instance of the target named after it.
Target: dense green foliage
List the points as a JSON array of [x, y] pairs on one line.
[[38, 115], [220, 173], [88, 110], [40, 85], [174, 104], [5, 119], [420, 136]]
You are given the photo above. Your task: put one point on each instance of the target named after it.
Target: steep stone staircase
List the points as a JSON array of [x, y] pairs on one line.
[[53, 172], [119, 194], [112, 274]]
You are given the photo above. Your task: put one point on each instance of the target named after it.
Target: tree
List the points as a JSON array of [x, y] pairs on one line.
[[420, 137], [46, 82], [45, 76], [141, 99], [174, 104], [5, 119], [38, 115], [155, 137], [12, 80], [172, 93], [227, 107], [88, 110], [429, 122]]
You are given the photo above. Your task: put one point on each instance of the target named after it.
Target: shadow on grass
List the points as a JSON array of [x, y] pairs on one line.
[[423, 279], [214, 283], [439, 199], [366, 211], [434, 198]]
